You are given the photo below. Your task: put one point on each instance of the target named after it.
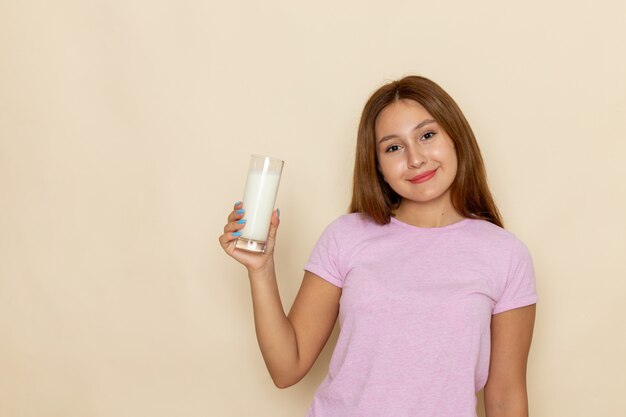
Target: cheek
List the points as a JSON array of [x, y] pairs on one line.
[[390, 168], [379, 165], [382, 164], [446, 155], [452, 160]]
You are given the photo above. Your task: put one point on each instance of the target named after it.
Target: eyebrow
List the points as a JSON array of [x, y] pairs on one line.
[[422, 124]]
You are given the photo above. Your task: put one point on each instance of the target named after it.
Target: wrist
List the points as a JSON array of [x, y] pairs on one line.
[[263, 270]]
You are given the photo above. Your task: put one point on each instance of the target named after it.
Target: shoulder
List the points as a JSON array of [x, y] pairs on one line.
[[350, 222], [489, 230], [495, 236], [348, 229]]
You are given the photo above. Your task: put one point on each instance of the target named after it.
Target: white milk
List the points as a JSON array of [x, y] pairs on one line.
[[258, 201]]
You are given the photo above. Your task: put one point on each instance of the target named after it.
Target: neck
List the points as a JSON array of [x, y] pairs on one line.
[[431, 214]]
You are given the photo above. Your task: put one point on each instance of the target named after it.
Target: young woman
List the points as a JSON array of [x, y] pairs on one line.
[[435, 299]]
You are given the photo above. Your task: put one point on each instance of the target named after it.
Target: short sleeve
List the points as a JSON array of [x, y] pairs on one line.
[[519, 288], [325, 260]]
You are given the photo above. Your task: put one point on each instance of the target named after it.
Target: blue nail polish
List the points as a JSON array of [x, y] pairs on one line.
[[278, 212], [240, 211], [237, 203], [237, 234], [242, 221]]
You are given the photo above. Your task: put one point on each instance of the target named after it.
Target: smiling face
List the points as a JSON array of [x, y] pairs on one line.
[[415, 156]]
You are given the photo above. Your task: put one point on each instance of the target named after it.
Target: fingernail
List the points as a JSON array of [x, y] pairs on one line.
[[240, 211], [237, 203], [278, 212], [242, 221], [237, 234]]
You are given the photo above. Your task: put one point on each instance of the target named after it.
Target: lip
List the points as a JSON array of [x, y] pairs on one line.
[[423, 177]]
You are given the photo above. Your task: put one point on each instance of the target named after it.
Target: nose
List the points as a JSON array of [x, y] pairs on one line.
[[415, 157]]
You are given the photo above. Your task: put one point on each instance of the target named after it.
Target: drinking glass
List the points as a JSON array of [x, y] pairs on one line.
[[258, 201]]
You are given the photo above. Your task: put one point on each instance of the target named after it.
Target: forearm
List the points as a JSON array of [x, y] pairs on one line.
[[275, 333], [512, 403]]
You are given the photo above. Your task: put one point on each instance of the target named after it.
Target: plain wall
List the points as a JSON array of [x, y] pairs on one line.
[[125, 131]]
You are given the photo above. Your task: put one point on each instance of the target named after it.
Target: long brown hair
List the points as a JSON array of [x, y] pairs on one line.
[[470, 194]]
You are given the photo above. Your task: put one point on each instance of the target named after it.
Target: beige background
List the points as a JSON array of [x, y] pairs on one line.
[[125, 130]]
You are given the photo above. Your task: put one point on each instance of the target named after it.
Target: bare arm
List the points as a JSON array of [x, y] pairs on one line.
[[511, 336], [289, 344]]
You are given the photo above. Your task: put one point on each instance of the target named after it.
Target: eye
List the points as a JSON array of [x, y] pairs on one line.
[[392, 148], [428, 135]]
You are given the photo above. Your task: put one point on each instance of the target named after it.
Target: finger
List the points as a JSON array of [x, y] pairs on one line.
[[224, 240], [275, 222], [227, 238], [235, 225], [236, 214]]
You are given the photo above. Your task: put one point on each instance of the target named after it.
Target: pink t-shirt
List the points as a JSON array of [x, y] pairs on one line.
[[415, 314]]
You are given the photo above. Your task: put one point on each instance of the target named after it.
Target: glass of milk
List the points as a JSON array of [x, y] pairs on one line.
[[258, 201]]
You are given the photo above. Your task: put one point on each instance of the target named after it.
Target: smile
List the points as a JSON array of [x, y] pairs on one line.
[[423, 177]]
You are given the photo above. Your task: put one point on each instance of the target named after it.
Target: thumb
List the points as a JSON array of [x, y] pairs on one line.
[[274, 224]]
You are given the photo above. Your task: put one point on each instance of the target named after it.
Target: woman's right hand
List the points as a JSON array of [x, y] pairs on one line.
[[253, 261]]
